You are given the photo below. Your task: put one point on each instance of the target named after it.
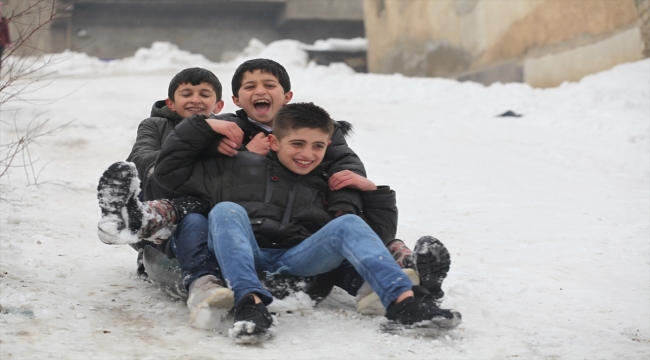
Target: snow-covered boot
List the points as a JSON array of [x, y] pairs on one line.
[[126, 220], [431, 259], [208, 301], [368, 302], [420, 315], [117, 193], [401, 253], [253, 323]]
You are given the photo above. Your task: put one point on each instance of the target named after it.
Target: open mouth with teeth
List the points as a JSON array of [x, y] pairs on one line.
[[195, 109], [262, 106], [303, 163]]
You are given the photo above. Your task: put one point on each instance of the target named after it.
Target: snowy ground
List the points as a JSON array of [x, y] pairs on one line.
[[547, 216]]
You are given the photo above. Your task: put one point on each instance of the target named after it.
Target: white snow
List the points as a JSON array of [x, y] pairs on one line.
[[547, 216], [334, 44]]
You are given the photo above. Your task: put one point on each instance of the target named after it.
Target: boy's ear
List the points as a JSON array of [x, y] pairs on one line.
[[218, 108], [235, 100], [273, 141], [329, 142], [287, 97], [170, 104]]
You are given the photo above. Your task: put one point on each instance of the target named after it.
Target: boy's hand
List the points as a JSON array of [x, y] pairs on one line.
[[234, 136], [259, 144], [345, 178]]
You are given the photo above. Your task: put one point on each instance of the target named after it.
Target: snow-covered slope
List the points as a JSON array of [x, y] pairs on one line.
[[547, 216]]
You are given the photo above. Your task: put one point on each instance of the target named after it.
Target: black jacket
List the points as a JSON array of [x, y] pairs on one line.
[[284, 208], [152, 132], [338, 155]]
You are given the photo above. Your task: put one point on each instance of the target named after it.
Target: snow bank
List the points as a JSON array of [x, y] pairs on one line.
[[334, 44]]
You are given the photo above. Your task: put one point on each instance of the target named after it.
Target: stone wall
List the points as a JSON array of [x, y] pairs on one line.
[[501, 40]]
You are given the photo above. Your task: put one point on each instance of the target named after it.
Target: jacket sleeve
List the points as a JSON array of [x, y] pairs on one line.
[[180, 166], [339, 154], [341, 157], [380, 212], [147, 146]]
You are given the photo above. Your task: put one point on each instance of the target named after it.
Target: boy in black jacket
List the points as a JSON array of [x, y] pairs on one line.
[[261, 88], [270, 216]]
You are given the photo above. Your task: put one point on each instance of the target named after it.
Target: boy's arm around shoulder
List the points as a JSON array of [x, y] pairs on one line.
[[341, 158], [379, 202], [147, 144], [339, 154], [180, 166], [380, 212]]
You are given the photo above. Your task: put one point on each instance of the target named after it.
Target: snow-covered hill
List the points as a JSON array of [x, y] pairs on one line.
[[547, 216]]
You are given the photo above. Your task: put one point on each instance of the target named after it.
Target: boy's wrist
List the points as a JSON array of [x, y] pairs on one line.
[[343, 207], [381, 189]]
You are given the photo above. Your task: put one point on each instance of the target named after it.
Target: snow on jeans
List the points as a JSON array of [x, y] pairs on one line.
[[347, 237]]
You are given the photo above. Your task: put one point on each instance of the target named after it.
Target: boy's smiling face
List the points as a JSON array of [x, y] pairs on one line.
[[198, 99], [301, 150], [261, 96]]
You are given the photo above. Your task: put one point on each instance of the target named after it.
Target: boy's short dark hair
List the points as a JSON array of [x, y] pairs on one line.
[[265, 65], [194, 76], [301, 115]]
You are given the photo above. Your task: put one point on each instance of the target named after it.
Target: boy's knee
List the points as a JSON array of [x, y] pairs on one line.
[[227, 208], [349, 220], [194, 220]]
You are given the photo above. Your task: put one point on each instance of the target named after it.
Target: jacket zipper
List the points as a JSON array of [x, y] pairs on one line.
[[289, 208], [269, 185]]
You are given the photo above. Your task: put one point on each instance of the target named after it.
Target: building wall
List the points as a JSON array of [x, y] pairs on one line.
[[114, 29], [34, 25], [498, 40]]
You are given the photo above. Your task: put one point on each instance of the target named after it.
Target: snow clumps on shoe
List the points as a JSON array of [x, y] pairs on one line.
[[117, 193], [208, 302], [420, 316], [431, 259], [126, 220], [252, 324]]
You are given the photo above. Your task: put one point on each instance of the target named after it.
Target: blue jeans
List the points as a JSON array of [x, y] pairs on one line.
[[190, 245], [348, 237]]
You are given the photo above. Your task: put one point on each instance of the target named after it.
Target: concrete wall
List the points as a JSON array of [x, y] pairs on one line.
[[324, 9], [34, 25], [542, 42], [218, 28]]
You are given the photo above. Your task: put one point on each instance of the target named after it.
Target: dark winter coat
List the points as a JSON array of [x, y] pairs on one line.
[[152, 132], [338, 155], [284, 208]]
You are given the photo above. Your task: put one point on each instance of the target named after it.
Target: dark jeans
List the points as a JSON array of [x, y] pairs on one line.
[[190, 245]]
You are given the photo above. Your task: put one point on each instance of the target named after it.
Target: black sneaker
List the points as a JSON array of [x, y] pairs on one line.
[[420, 315], [252, 322], [117, 194], [432, 263]]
